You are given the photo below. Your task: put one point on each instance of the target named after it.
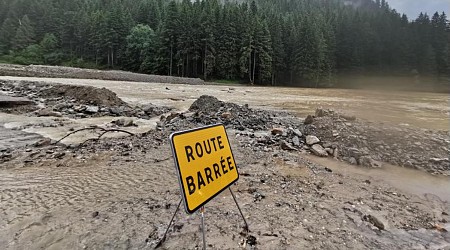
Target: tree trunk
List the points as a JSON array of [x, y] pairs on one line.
[[187, 65], [108, 58], [254, 67], [250, 68], [112, 58], [171, 58], [205, 64], [291, 75]]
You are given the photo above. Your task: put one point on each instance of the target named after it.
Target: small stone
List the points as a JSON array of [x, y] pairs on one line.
[[366, 161], [95, 214], [354, 152], [171, 116], [329, 151], [352, 161], [320, 112], [286, 146], [124, 122], [296, 141], [377, 221], [43, 142], [251, 240], [311, 139], [319, 150], [92, 109], [297, 132], [226, 115], [276, 131], [48, 112], [309, 119], [336, 153]]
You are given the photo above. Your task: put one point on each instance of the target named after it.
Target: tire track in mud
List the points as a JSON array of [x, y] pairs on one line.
[[27, 194]]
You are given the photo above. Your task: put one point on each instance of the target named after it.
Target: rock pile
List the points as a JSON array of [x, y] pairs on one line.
[[75, 101], [368, 144]]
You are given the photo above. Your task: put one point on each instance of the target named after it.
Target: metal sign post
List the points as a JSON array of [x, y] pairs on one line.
[[205, 166], [202, 212]]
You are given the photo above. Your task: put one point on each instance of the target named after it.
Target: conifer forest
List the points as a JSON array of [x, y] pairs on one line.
[[265, 42]]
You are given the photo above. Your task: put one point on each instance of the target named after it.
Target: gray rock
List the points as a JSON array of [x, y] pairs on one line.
[[377, 221], [286, 146], [311, 139], [92, 109], [336, 153], [354, 152], [329, 151], [124, 122], [277, 131], [149, 108], [42, 142], [296, 141], [48, 112], [9, 101], [352, 160], [297, 132], [320, 112], [366, 161], [309, 119], [319, 150]]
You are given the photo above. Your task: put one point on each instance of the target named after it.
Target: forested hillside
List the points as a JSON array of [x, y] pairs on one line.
[[300, 42]]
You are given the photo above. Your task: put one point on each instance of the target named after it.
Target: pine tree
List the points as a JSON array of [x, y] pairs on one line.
[[7, 33], [24, 34], [140, 49]]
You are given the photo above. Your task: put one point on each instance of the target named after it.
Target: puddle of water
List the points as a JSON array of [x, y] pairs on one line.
[[409, 180]]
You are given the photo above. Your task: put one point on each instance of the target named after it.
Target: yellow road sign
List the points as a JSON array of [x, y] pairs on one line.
[[204, 162]]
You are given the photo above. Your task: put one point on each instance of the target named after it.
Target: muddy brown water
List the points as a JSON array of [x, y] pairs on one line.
[[419, 110], [410, 180]]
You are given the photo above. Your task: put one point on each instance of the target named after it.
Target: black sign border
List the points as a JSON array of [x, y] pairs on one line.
[[177, 166]]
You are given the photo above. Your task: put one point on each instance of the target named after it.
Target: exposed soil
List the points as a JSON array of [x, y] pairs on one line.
[[84, 94], [121, 192], [73, 101]]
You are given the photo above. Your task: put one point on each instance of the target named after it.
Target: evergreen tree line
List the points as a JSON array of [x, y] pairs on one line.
[[303, 42]]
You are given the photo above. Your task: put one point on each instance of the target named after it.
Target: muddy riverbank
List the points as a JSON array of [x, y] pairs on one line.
[[120, 192]]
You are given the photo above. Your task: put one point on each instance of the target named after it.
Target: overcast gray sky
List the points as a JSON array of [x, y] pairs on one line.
[[412, 8]]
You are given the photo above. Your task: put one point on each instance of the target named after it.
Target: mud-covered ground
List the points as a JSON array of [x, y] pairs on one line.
[[120, 193]]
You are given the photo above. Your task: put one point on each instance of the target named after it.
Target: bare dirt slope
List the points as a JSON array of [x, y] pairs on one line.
[[119, 193]]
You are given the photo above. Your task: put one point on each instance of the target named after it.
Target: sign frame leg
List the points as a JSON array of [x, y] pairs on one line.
[[202, 212], [163, 239], [246, 228]]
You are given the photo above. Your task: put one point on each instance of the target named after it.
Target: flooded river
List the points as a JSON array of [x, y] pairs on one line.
[[420, 110]]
